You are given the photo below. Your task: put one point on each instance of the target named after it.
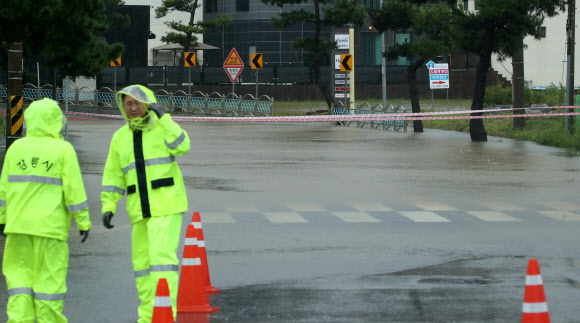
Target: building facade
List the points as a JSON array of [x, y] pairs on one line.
[[545, 59], [251, 31]]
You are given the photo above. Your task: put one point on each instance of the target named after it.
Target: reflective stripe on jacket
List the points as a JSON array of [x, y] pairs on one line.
[[141, 163], [41, 185]]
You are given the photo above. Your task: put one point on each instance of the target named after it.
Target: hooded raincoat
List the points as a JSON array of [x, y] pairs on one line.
[[41, 188], [141, 163]]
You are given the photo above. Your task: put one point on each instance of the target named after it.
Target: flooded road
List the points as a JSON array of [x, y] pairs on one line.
[[321, 223]]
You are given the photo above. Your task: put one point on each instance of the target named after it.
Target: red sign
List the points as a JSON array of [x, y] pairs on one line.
[[341, 89], [439, 82], [233, 65]]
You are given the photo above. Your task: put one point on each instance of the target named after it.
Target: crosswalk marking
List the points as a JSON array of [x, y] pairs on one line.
[[284, 217], [433, 206], [493, 216], [241, 208], [502, 206], [424, 216], [376, 212], [216, 217], [562, 206], [355, 217], [561, 215], [370, 206], [305, 207]]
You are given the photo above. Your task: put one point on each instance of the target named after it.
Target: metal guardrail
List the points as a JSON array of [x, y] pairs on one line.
[[338, 108], [197, 103]]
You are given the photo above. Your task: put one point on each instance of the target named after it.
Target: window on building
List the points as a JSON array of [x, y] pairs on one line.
[[210, 6], [466, 4], [371, 48], [542, 32], [372, 4], [476, 4], [242, 5], [401, 39]]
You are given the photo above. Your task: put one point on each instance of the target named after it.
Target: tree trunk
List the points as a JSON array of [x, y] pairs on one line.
[[324, 87], [518, 85], [476, 129], [415, 106]]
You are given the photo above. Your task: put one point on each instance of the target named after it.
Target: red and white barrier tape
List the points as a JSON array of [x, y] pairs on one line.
[[444, 115]]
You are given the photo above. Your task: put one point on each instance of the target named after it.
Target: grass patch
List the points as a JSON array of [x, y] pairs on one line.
[[549, 131]]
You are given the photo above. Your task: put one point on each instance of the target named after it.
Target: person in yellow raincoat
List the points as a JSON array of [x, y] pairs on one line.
[[141, 163], [41, 187]]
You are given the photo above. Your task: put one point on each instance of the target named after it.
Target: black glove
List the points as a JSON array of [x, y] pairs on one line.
[[157, 109], [2, 226], [107, 219], [84, 234]]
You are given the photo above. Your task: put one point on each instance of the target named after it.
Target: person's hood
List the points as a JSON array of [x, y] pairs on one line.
[[141, 94], [44, 119]]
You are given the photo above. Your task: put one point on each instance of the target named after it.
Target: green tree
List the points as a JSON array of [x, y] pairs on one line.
[[185, 34], [496, 27], [429, 27], [61, 34], [335, 13]]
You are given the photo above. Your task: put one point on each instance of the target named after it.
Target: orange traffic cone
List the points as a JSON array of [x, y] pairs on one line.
[[162, 312], [191, 297], [201, 244], [535, 309]]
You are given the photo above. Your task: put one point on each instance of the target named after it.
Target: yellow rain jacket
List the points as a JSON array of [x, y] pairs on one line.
[[142, 165], [41, 185]]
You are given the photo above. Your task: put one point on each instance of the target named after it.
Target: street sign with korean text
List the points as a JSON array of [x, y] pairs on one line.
[[438, 75], [233, 65]]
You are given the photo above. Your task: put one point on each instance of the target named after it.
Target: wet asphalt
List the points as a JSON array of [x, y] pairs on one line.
[[314, 222]]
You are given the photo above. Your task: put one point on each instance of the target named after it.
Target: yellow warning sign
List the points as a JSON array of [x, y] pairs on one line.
[[116, 62], [189, 58], [233, 59]]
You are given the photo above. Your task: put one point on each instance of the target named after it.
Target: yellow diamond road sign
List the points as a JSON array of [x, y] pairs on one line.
[[233, 59]]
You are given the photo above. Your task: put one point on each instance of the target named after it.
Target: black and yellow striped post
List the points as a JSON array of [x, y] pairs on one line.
[[16, 116]]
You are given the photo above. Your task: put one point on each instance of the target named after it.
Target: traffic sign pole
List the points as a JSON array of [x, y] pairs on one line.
[[256, 64], [189, 61]]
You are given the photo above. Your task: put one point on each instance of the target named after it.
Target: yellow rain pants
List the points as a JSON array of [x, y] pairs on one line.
[[155, 241], [35, 270]]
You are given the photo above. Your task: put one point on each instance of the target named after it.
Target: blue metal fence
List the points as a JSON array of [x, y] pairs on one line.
[[196, 103]]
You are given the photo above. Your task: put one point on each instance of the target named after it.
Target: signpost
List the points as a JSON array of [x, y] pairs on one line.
[[233, 66], [256, 64], [115, 63], [438, 78], [189, 61]]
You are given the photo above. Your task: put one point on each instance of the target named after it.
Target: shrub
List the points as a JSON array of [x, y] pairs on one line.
[[496, 94]]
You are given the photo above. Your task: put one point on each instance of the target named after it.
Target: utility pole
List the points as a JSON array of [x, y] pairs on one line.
[[518, 85], [383, 68], [570, 31], [14, 111]]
